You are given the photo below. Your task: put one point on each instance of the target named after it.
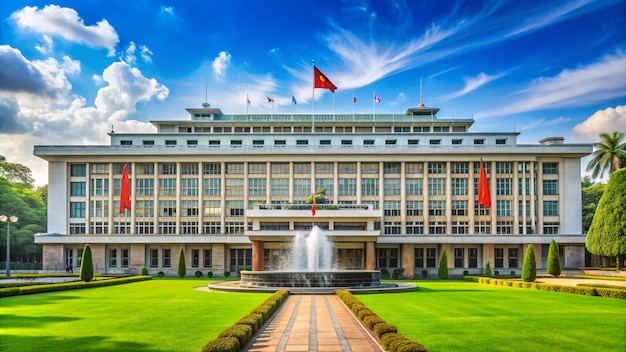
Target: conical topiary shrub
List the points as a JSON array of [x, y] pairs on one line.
[[554, 261], [443, 266], [529, 269], [182, 268], [86, 264], [488, 269]]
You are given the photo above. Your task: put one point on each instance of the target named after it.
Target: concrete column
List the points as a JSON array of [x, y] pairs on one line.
[[53, 257], [370, 256], [257, 255], [137, 257], [488, 256], [408, 261], [98, 254], [219, 258]]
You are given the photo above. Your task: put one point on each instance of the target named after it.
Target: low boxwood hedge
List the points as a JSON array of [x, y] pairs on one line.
[[62, 286], [235, 337], [600, 290], [386, 334]]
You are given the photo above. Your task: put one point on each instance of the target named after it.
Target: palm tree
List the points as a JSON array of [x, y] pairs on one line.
[[610, 152]]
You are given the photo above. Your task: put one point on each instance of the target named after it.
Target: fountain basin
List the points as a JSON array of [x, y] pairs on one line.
[[328, 278]]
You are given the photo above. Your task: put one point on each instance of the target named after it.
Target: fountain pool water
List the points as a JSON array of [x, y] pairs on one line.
[[310, 263]]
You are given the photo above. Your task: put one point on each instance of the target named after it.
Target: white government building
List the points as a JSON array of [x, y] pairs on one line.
[[231, 190]]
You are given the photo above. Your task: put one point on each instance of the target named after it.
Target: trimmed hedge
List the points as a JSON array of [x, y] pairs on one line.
[[235, 337], [387, 334], [63, 286], [581, 289]]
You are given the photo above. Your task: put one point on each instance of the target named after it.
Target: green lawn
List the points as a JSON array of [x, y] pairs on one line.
[[169, 315], [464, 316], [155, 315]]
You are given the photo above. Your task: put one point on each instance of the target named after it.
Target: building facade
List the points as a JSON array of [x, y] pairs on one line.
[[232, 190]]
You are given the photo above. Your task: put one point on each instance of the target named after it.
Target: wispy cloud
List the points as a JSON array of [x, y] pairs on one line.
[[471, 84], [591, 83], [221, 63]]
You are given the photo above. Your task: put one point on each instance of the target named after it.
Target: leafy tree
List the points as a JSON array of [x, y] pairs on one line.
[[607, 234], [610, 154], [86, 264], [16, 173], [182, 268], [590, 198], [529, 268], [443, 266], [319, 196], [488, 269], [554, 261]]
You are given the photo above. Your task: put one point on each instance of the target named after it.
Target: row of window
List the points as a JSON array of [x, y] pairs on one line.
[[170, 168]]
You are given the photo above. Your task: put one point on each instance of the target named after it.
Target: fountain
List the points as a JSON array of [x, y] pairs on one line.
[[310, 264]]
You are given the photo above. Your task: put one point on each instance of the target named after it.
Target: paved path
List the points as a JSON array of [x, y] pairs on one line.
[[314, 323]]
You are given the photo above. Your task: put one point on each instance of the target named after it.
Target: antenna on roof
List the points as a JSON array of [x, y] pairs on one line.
[[420, 105], [206, 93]]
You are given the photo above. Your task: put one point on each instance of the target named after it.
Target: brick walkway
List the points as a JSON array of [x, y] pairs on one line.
[[314, 323]]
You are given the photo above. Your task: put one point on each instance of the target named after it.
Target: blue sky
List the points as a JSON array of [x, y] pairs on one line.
[[70, 70]]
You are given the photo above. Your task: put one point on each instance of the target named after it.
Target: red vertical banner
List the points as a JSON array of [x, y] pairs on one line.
[[484, 198], [125, 191], [313, 207]]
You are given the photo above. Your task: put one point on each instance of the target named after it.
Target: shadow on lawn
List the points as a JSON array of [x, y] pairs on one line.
[[13, 343], [20, 321], [35, 299]]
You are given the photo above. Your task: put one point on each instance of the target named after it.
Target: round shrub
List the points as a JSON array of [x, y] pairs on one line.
[[222, 344], [226, 273], [160, 274], [209, 274], [253, 319], [371, 320], [384, 328], [243, 333], [198, 273], [144, 271], [364, 313]]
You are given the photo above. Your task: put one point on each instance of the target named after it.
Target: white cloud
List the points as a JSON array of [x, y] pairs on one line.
[[602, 121], [130, 54], [221, 63], [145, 53], [588, 84], [167, 9], [46, 46], [67, 24], [471, 84]]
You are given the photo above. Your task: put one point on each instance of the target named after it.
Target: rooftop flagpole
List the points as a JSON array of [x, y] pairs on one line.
[[313, 100]]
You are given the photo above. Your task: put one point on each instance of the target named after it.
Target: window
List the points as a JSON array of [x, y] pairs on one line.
[[99, 187], [391, 168], [436, 207], [459, 168], [280, 187], [302, 142], [280, 168], [236, 142], [301, 186], [513, 261], [212, 208], [436, 168], [324, 168], [459, 208], [211, 168], [99, 208], [257, 187], [325, 142], [167, 168], [347, 168], [501, 141], [211, 228], [459, 257], [192, 142], [99, 168], [214, 142], [472, 256], [369, 186], [234, 168], [414, 228], [208, 258], [503, 167], [387, 257], [479, 141], [78, 170], [550, 187], [414, 208], [434, 141], [154, 258], [431, 257], [125, 257], [98, 227], [302, 168], [393, 228], [347, 186], [504, 186], [78, 189], [460, 227], [498, 258], [504, 227], [436, 228], [414, 186], [457, 141], [167, 208], [189, 207], [170, 142], [346, 142], [550, 207], [391, 141], [167, 258], [368, 142], [167, 187], [392, 208], [369, 168], [189, 186], [436, 186], [78, 228], [195, 258], [550, 228], [550, 168], [234, 208], [414, 168], [212, 186], [419, 257], [77, 209], [112, 258], [459, 186], [391, 186], [240, 258], [234, 187], [189, 168], [147, 142], [503, 207], [142, 227], [327, 184], [145, 186]]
